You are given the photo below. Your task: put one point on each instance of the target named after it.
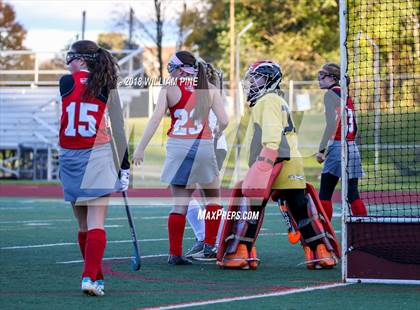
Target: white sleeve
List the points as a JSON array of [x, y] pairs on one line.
[[212, 120], [222, 143]]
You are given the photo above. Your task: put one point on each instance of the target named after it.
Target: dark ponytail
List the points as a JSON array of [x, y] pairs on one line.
[[103, 68], [214, 76], [203, 98]]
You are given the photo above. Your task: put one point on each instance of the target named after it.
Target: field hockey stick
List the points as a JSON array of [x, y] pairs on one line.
[[292, 234], [135, 259]]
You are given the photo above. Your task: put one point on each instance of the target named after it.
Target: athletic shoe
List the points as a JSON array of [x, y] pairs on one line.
[[90, 288], [309, 257], [325, 259], [208, 253], [178, 260], [197, 247], [100, 284]]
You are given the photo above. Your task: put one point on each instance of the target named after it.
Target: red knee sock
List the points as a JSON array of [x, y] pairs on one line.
[[358, 207], [328, 208], [81, 237], [212, 222], [94, 252], [176, 227]]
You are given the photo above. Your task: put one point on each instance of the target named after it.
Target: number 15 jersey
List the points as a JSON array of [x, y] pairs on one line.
[[83, 120]]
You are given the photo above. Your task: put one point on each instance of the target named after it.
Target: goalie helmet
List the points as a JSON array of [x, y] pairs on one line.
[[261, 77]]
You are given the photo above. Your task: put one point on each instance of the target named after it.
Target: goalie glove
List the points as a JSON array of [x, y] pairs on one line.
[[124, 179]]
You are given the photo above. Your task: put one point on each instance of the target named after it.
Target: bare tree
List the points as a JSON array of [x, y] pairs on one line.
[[159, 34], [144, 31]]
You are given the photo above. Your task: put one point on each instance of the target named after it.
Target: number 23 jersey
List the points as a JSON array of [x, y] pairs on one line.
[[83, 120], [351, 129], [182, 123]]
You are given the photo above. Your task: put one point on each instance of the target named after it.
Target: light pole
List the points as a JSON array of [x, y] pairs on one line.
[[83, 24], [237, 100], [238, 41]]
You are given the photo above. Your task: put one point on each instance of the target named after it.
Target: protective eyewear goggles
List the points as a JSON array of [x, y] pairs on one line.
[[74, 55], [172, 67], [323, 74]]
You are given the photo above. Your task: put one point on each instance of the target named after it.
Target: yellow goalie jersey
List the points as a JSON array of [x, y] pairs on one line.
[[272, 127]]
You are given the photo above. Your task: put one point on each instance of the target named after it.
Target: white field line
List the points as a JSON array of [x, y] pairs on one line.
[[73, 220], [137, 203], [15, 208], [113, 258], [30, 200], [247, 297], [48, 245], [37, 221], [37, 224]]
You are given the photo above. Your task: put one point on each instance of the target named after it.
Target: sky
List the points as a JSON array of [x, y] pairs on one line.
[[51, 25]]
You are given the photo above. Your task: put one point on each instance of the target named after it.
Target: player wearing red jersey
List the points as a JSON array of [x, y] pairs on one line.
[[190, 157], [87, 167], [215, 77], [330, 145]]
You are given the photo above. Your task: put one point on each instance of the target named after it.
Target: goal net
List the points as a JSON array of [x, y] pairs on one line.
[[381, 54]]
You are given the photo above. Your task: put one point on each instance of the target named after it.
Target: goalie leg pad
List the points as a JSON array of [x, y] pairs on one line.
[[233, 231], [322, 222], [239, 234], [309, 218]]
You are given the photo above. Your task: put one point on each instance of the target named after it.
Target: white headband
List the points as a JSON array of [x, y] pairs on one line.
[[176, 61]]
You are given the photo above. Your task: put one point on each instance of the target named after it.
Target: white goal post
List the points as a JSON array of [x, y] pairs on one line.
[[393, 210]]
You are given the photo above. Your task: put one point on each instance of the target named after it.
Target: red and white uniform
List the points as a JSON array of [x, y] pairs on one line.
[[182, 124], [83, 122], [351, 118]]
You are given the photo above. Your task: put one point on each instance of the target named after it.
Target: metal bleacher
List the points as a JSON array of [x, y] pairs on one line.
[[29, 119]]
